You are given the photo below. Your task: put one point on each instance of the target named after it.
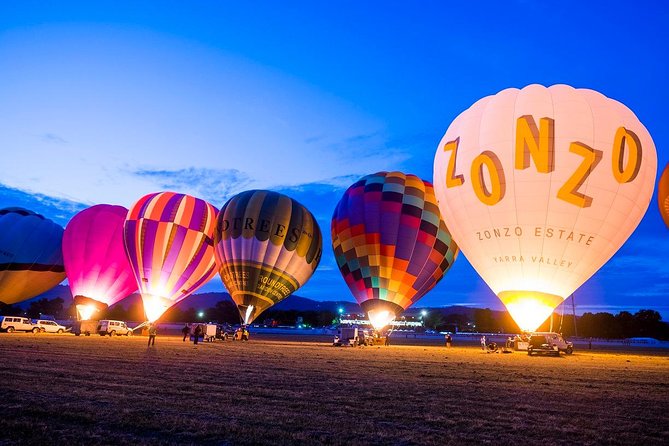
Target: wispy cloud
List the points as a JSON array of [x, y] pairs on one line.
[[215, 186], [52, 138]]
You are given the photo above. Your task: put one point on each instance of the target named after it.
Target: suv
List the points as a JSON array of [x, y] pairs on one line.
[[549, 343], [112, 328], [49, 326], [17, 323]]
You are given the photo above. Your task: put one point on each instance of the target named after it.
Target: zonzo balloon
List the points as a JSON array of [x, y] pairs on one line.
[[540, 187]]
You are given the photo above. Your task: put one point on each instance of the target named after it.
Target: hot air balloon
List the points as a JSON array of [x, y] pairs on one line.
[[267, 246], [540, 187], [390, 243], [169, 242], [96, 264], [31, 261], [663, 195]]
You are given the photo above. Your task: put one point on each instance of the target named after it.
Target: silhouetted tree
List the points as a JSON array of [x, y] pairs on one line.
[[647, 323], [433, 320], [53, 307], [485, 322], [625, 325], [10, 310]]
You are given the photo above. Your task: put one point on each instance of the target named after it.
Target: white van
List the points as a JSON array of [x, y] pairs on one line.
[[17, 323], [48, 326], [114, 328]]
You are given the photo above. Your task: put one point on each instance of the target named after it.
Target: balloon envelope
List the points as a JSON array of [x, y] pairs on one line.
[[96, 263], [540, 187], [267, 246], [390, 243], [663, 195], [31, 260], [169, 242]]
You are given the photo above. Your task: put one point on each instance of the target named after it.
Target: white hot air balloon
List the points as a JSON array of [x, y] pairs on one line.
[[541, 186]]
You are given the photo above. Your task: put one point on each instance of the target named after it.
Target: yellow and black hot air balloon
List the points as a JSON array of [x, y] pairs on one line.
[[267, 246]]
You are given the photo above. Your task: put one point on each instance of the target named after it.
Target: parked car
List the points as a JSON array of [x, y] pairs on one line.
[[17, 323], [548, 343], [114, 328], [49, 326]]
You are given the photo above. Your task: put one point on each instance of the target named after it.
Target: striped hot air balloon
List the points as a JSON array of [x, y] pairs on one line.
[[267, 246], [390, 243], [98, 270], [31, 260], [169, 242]]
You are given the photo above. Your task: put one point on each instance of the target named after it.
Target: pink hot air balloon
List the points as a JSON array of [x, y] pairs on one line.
[[95, 261], [169, 241]]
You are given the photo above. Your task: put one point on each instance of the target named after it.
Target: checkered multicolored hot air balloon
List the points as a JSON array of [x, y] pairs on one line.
[[169, 242], [390, 243], [97, 267], [31, 260], [267, 246]]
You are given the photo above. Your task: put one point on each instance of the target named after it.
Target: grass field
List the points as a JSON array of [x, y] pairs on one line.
[[57, 389]]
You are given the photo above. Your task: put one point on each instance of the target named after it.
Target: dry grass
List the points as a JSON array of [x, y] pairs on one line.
[[95, 390]]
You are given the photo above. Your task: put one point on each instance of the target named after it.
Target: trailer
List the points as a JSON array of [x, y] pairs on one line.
[[355, 336], [85, 328], [208, 332]]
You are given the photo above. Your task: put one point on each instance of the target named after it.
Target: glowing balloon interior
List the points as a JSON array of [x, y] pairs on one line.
[[97, 267], [540, 187], [169, 242], [31, 260], [390, 243], [267, 246]]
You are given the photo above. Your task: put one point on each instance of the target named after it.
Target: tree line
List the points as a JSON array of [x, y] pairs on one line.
[[643, 323]]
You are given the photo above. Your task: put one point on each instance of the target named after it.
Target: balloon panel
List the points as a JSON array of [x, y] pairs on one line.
[[389, 240], [543, 200], [169, 242], [267, 246], [663, 195], [95, 259], [31, 260]]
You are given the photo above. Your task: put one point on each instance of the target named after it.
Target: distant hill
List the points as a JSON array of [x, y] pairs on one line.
[[298, 303]]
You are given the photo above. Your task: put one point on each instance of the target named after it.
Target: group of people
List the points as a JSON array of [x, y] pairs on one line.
[[241, 334], [198, 332]]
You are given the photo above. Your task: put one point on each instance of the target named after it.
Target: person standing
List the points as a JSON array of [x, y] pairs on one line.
[[153, 331], [483, 342], [197, 333], [185, 331], [449, 340]]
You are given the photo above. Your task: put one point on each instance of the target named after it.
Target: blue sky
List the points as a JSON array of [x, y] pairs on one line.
[[104, 102]]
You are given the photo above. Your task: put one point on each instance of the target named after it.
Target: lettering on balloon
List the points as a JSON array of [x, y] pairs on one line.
[[553, 261], [239, 279], [274, 287], [547, 232], [535, 144], [276, 229]]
